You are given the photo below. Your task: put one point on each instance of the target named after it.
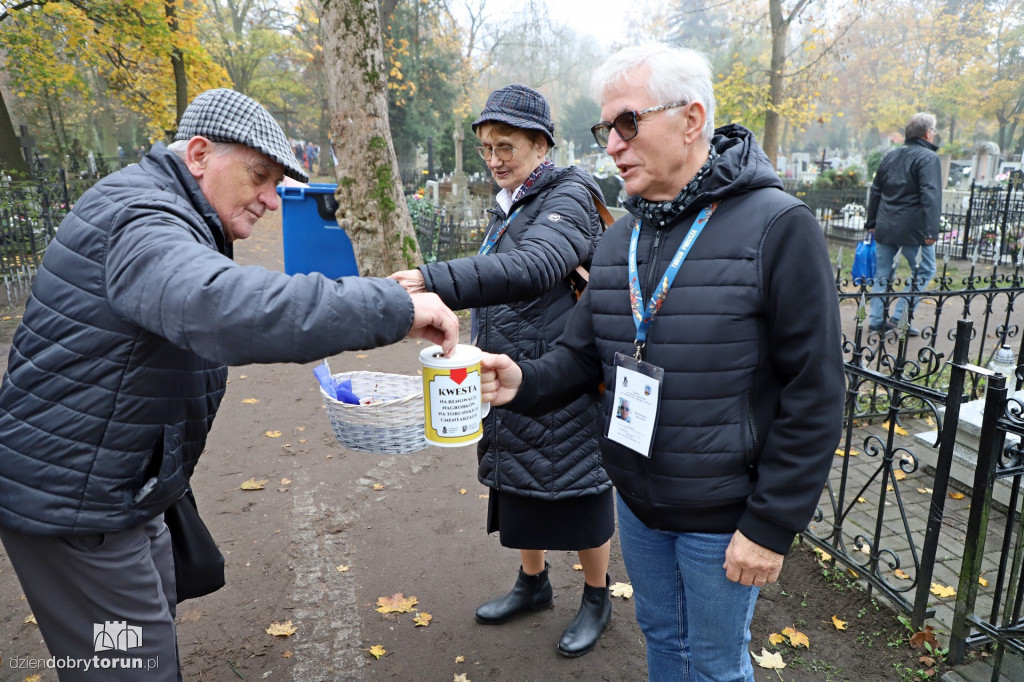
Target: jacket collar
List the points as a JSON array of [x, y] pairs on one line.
[[165, 163]]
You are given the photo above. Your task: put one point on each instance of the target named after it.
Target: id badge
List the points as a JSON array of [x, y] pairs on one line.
[[635, 404]]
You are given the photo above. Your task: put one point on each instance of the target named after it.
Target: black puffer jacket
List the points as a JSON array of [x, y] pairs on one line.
[[749, 338], [117, 368], [905, 207], [522, 290]]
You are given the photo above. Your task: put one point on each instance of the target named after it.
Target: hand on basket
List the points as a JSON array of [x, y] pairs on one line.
[[434, 321], [500, 379]]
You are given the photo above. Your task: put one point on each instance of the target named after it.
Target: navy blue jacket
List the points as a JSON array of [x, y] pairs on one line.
[[524, 298], [118, 366], [749, 339]]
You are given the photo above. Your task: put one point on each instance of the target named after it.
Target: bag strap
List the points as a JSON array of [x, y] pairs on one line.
[[606, 219]]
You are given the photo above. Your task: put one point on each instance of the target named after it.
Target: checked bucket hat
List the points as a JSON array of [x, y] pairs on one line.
[[519, 106], [224, 115]]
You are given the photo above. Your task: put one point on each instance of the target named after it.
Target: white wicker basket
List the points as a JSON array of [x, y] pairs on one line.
[[391, 425]]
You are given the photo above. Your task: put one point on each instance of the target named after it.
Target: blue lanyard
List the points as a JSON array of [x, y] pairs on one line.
[[643, 319], [486, 247]]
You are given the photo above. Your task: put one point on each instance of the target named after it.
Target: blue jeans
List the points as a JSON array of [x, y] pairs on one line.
[[695, 620], [921, 260]]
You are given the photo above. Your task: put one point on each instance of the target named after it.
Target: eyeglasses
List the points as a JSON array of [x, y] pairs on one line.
[[504, 152], [625, 124]]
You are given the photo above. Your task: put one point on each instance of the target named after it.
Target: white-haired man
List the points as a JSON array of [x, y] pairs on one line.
[[712, 310]]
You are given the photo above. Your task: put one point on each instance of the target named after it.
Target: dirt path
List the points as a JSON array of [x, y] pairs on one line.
[[411, 524]]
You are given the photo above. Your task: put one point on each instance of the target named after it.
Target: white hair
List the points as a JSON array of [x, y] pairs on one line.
[[673, 75], [219, 148]]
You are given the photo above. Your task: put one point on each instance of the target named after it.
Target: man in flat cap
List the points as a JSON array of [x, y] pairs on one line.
[[119, 364]]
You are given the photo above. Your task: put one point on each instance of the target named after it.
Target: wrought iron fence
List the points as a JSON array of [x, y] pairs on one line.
[[983, 222], [448, 233], [30, 212], [884, 510]]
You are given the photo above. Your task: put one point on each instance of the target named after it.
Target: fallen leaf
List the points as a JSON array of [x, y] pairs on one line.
[[901, 574], [624, 590], [840, 624], [396, 603], [362, 356], [957, 495], [344, 569], [899, 474], [377, 651], [281, 629], [423, 618], [288, 654], [889, 488], [460, 659], [461, 677], [285, 481], [272, 434], [302, 440], [769, 660], [822, 554], [243, 376], [378, 486], [797, 638], [462, 491], [300, 428], [896, 429], [253, 484], [30, 619], [942, 591], [250, 401], [925, 491], [577, 567], [923, 639], [861, 500], [982, 582], [483, 497], [775, 638], [34, 678]]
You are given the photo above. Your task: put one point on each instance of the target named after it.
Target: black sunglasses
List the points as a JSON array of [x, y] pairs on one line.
[[625, 124]]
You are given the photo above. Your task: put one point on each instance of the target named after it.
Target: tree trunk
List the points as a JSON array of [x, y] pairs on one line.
[[11, 159], [178, 66], [371, 206], [776, 82]]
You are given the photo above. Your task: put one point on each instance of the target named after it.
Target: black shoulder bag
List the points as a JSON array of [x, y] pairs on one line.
[[198, 563]]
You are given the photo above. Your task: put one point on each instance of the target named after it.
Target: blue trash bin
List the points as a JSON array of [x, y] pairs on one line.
[[313, 241]]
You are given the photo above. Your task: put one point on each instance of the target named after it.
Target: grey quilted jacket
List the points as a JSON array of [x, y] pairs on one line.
[[522, 291], [118, 366]]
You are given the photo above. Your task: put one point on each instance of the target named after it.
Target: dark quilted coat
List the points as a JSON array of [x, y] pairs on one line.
[[118, 366], [749, 338], [523, 294]]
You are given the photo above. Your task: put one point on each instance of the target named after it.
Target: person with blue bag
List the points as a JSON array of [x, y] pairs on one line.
[[904, 213]]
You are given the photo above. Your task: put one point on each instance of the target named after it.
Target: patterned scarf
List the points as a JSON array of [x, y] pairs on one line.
[[537, 172], [660, 213]]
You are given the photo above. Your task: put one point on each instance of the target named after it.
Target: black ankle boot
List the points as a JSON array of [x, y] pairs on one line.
[[595, 612], [530, 593]]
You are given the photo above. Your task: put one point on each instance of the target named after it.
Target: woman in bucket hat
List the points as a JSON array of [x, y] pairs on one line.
[[548, 490]]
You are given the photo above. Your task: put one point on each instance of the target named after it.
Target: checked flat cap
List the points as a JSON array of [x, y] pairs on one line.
[[520, 107], [224, 115]]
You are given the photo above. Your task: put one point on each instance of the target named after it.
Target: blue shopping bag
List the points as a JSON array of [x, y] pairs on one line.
[[864, 260]]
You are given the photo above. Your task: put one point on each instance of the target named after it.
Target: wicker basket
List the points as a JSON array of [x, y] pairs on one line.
[[391, 425]]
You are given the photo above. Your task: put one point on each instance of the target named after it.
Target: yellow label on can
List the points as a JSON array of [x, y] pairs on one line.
[[452, 405]]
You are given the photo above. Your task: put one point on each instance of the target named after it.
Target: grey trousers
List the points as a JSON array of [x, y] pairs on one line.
[[104, 602]]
